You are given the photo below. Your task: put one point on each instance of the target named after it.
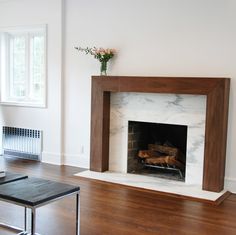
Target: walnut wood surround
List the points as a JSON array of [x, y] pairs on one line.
[[216, 91]]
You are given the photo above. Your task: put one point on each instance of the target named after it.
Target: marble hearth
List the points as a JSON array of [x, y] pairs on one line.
[[190, 101]]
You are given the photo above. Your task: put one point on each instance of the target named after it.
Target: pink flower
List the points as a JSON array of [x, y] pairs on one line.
[[108, 51], [103, 55]]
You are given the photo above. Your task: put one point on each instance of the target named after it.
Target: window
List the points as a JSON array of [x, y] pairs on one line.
[[23, 66]]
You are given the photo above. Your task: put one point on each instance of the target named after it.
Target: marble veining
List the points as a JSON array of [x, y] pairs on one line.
[[178, 109], [177, 102]]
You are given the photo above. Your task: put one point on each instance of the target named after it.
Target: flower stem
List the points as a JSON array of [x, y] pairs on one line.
[[103, 68]]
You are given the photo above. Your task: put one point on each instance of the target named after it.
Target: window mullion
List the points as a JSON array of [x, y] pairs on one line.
[[27, 59], [8, 63], [10, 67]]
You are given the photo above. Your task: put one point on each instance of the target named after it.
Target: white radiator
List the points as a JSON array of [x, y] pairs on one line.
[[22, 143]]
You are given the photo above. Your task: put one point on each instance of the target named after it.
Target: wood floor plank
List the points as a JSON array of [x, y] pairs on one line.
[[113, 209]]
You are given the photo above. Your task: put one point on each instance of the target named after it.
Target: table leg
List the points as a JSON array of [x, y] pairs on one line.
[[22, 231], [33, 215], [77, 214], [25, 223]]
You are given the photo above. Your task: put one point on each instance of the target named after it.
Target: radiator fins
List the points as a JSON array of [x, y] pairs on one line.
[[22, 143]]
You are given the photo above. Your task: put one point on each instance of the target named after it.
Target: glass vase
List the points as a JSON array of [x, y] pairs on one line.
[[103, 68]]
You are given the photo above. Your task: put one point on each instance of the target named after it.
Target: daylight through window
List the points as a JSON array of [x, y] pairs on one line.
[[23, 66]]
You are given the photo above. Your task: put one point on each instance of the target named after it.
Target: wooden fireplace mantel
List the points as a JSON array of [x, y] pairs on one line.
[[216, 91]]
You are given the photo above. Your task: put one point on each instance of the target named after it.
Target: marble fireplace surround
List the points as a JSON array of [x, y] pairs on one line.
[[216, 91], [171, 109]]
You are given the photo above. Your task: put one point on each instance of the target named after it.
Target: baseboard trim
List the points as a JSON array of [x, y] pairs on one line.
[[76, 160], [52, 158], [66, 159], [230, 184]]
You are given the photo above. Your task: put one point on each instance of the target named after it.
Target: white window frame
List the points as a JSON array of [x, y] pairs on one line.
[[5, 63]]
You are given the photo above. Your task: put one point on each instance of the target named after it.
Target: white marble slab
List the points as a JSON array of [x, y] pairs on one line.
[[153, 183], [189, 110]]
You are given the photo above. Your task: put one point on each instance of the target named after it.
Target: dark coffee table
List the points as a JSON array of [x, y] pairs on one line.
[[33, 193], [10, 177]]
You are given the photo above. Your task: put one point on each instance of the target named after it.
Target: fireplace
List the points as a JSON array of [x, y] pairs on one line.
[[216, 91], [157, 149]]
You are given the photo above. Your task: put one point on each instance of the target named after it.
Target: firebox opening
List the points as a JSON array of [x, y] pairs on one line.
[[157, 149]]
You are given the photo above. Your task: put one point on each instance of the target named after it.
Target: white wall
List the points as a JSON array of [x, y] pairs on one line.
[[154, 37], [30, 12]]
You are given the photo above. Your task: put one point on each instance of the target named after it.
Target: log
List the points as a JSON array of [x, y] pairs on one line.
[[158, 160], [168, 150], [147, 154], [172, 151]]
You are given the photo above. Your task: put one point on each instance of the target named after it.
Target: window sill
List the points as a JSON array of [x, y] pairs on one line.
[[23, 104]]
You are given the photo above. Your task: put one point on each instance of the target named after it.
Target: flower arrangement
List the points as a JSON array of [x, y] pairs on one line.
[[101, 54]]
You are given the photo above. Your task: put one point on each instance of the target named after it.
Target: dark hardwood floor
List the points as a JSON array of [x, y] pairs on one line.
[[113, 209]]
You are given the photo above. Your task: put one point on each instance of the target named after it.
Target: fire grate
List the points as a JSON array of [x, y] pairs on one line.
[[167, 167]]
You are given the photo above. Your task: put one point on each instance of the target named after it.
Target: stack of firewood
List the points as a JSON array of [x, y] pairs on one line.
[[163, 155]]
